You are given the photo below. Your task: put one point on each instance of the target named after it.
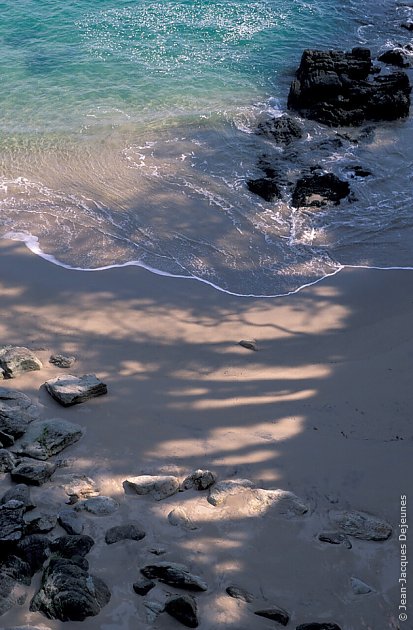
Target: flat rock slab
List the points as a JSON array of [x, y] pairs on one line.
[[72, 390], [12, 524], [71, 522], [199, 480], [275, 614], [100, 506], [45, 438], [184, 609], [16, 413], [174, 574], [33, 472], [227, 488], [361, 525], [15, 360], [128, 531], [158, 486], [69, 593]]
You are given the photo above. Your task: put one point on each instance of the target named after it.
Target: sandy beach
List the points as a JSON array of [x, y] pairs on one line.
[[321, 409]]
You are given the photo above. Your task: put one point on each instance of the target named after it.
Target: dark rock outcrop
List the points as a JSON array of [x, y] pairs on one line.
[[394, 58], [318, 190], [69, 593], [72, 545], [12, 524], [33, 472], [282, 130], [338, 89], [265, 187], [34, 550], [184, 609], [142, 586]]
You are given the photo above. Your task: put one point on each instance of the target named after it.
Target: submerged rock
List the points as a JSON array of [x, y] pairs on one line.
[[318, 190], [361, 525], [129, 531], [338, 89], [158, 486], [184, 609], [45, 438], [15, 360], [72, 390], [69, 593], [174, 574]]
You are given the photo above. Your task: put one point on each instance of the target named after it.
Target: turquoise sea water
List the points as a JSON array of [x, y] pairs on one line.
[[126, 136]]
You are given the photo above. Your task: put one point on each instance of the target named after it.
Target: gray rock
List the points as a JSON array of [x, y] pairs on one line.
[[72, 390], [227, 488], [274, 613], [180, 518], [45, 438], [361, 525], [16, 413], [80, 487], [15, 360], [249, 344], [153, 610], [69, 593], [199, 480], [11, 593], [335, 538], [34, 550], [71, 522], [41, 523], [62, 361], [21, 493], [240, 593], [158, 486], [100, 506], [16, 568], [11, 521], [7, 461], [142, 586], [129, 531], [184, 609], [359, 587], [174, 574], [33, 472], [72, 545]]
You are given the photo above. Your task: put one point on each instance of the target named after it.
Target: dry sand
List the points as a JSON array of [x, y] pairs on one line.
[[323, 409]]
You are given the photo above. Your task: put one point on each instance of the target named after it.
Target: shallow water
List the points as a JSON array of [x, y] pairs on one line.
[[126, 135]]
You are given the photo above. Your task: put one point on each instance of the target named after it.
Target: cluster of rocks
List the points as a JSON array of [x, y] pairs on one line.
[[337, 89]]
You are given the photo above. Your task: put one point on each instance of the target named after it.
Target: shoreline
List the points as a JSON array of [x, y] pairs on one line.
[[322, 409]]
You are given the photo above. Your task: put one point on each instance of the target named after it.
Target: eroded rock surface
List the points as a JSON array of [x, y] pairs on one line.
[[361, 525], [45, 438]]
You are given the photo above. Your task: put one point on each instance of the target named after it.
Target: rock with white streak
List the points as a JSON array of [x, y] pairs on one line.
[[15, 360], [158, 486], [174, 574], [45, 438], [72, 390], [361, 525]]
